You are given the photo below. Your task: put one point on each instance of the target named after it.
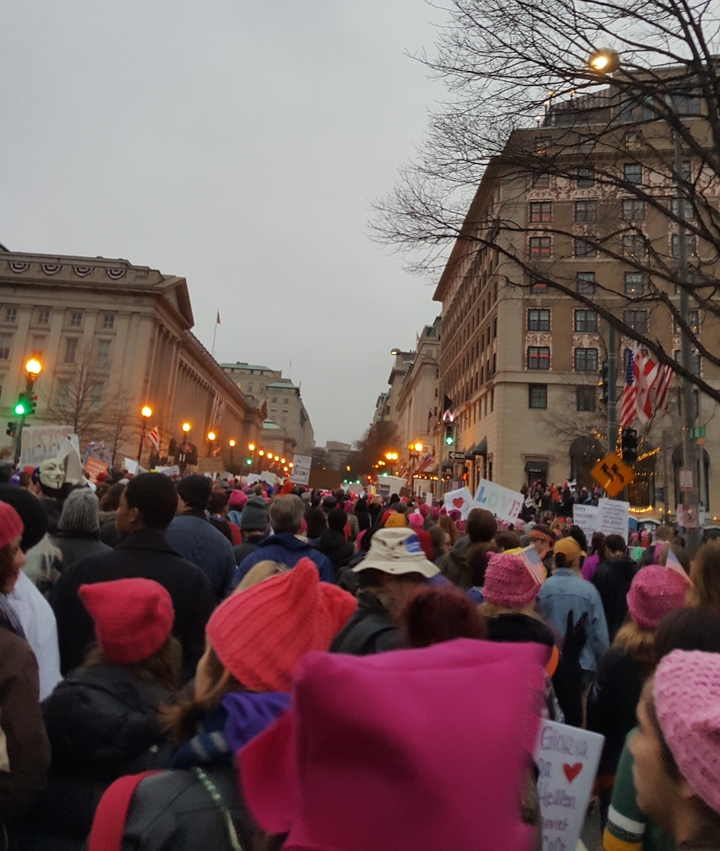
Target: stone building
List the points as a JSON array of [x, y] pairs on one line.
[[112, 338]]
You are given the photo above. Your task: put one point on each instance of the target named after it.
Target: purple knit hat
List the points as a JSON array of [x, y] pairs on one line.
[[687, 703], [655, 591], [508, 581]]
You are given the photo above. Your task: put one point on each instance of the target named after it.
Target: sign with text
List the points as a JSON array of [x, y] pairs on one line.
[[587, 518], [612, 474], [461, 500], [93, 468], [686, 479], [210, 465], [301, 469], [502, 502], [567, 759], [613, 517], [42, 442], [169, 471]]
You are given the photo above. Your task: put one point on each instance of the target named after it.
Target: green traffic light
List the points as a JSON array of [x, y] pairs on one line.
[[248, 460], [449, 440], [20, 409]]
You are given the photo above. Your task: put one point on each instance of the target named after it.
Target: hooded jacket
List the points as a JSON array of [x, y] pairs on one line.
[[334, 545], [200, 542], [285, 548], [370, 630], [613, 578]]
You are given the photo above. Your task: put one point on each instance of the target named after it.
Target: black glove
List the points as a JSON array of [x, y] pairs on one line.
[[574, 640]]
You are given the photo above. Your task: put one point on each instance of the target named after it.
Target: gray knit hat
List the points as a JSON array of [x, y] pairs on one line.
[[255, 514], [80, 512]]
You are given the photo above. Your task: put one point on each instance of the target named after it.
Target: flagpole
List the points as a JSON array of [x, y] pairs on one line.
[[214, 336], [612, 389]]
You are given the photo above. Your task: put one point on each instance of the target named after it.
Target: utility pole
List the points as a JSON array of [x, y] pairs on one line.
[[666, 486], [612, 388]]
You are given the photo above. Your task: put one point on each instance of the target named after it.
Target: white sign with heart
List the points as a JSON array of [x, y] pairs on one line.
[[461, 500]]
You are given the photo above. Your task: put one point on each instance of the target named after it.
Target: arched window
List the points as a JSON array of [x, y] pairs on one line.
[[585, 452]]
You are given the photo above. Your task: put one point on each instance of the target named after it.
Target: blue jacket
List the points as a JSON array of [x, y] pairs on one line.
[[198, 541], [565, 590], [286, 549]]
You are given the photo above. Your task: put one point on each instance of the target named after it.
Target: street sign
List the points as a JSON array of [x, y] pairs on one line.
[[457, 456], [686, 479], [697, 433], [612, 474]]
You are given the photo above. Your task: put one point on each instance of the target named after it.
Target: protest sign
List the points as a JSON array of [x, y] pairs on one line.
[[300, 474], [93, 467], [252, 478], [567, 759], [504, 503], [459, 499], [169, 471], [210, 465], [42, 442], [587, 518], [429, 498], [613, 517]]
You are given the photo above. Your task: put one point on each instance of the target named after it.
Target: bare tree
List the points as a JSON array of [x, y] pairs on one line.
[[525, 104]]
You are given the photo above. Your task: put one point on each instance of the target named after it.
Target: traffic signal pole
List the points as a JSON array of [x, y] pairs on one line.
[[611, 388]]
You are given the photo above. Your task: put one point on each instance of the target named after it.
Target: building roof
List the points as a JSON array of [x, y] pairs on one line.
[[287, 384], [245, 366], [269, 425]]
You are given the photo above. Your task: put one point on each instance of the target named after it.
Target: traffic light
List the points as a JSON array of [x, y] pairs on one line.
[[449, 437], [604, 383], [33, 405], [22, 406], [628, 442], [248, 461], [10, 430]]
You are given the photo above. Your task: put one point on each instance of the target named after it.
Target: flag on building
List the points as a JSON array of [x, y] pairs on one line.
[[217, 321], [432, 421], [627, 412], [662, 389], [645, 373], [154, 438]]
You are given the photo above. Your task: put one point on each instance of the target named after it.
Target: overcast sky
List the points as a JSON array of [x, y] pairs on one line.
[[236, 144]]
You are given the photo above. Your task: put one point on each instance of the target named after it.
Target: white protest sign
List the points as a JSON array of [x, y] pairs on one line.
[[459, 499], [300, 474], [613, 517], [502, 502], [169, 471], [567, 759], [252, 478], [429, 498], [39, 443], [587, 518]]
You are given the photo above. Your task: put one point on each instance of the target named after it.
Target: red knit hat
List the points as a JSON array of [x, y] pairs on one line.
[[261, 634], [133, 617], [508, 581], [655, 591], [11, 526]]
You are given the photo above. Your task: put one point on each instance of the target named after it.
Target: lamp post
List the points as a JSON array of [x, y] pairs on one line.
[[26, 402], [211, 439], [232, 450], [146, 413]]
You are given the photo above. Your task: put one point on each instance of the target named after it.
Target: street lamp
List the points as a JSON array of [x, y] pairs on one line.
[[146, 413], [186, 428], [232, 450], [211, 439], [33, 367], [604, 61]]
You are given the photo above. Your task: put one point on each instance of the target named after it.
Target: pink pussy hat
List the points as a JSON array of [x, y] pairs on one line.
[[687, 703], [508, 582], [655, 591], [370, 735]]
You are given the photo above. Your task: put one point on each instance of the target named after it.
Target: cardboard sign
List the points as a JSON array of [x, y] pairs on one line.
[[133, 467], [502, 502], [459, 499], [614, 517], [210, 465], [93, 467], [567, 760], [301, 469], [169, 471], [42, 442], [587, 518]]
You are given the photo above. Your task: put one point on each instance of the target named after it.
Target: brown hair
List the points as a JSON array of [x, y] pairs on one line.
[[7, 569], [440, 614], [182, 718], [507, 540], [705, 574], [636, 642], [161, 669], [447, 525]]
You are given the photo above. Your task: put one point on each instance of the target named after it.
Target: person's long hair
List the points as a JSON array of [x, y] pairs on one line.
[[7, 569], [636, 642], [440, 614], [161, 669]]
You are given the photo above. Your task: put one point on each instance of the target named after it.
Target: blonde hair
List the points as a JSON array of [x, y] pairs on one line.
[[636, 642]]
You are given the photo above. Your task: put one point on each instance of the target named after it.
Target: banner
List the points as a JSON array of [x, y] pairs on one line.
[[459, 499], [502, 502], [300, 474], [42, 442]]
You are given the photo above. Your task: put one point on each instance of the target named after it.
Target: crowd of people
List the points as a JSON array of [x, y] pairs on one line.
[[198, 664]]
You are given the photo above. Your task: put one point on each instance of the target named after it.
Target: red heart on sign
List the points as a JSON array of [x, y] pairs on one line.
[[572, 771], [458, 502]]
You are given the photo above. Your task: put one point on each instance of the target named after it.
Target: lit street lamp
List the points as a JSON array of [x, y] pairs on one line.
[[146, 413], [232, 450], [211, 439]]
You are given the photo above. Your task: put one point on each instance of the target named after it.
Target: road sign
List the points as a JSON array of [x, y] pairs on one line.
[[612, 474], [697, 433], [686, 479], [457, 456]]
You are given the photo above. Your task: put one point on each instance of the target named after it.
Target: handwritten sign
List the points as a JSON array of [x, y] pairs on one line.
[[613, 517], [587, 518], [42, 442], [460, 500], [567, 759], [94, 467], [502, 502], [301, 469]]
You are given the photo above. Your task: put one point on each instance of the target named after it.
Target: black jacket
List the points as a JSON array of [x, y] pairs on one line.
[[247, 547], [144, 553], [612, 578], [369, 630], [333, 544]]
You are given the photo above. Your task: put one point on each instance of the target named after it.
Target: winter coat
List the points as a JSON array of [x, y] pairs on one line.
[[198, 541], [109, 534], [612, 578], [369, 630], [453, 564], [143, 553], [286, 548], [71, 549], [175, 809], [102, 722], [247, 547], [333, 544]]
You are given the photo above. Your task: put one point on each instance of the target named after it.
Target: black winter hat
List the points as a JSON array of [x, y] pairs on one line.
[[32, 513], [195, 491]]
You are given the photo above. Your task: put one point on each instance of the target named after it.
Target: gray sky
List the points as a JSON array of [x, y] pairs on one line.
[[237, 144]]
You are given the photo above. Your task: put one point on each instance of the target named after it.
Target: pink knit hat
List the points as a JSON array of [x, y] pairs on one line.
[[11, 526], [237, 499], [415, 521], [687, 703], [348, 506], [508, 581], [654, 592], [261, 634], [424, 509], [355, 742]]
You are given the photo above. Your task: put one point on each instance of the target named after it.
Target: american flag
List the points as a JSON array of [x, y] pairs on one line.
[[662, 394], [672, 563], [629, 397], [431, 422], [154, 438], [533, 563], [645, 376]]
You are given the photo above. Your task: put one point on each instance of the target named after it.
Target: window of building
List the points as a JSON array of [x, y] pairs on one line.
[[11, 314], [71, 344], [682, 208], [585, 283], [585, 178], [285, 401], [585, 398], [284, 410], [38, 347], [633, 210], [586, 360], [283, 419], [43, 316], [694, 361], [538, 357], [632, 173], [694, 322], [636, 319], [96, 394], [633, 245], [5, 344], [585, 211], [540, 247], [538, 287], [103, 353], [538, 320], [274, 400], [492, 400], [76, 319], [541, 211], [689, 243], [541, 180], [542, 144], [634, 283], [537, 397], [585, 322], [585, 246], [108, 321], [635, 106], [63, 392], [273, 410], [685, 103]]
